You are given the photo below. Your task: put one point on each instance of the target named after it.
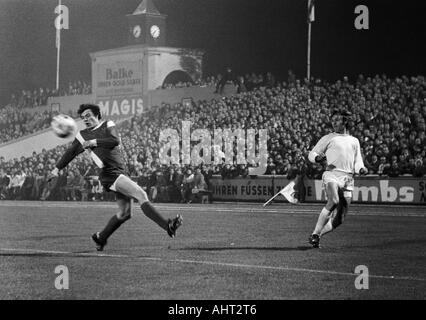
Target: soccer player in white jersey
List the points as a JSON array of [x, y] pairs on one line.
[[343, 155]]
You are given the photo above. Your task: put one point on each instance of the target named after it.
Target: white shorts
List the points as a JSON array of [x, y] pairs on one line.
[[130, 189], [344, 180], [112, 187]]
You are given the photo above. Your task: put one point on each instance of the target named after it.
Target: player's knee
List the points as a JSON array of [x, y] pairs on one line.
[[139, 194], [124, 215], [127, 216], [333, 202], [143, 196]]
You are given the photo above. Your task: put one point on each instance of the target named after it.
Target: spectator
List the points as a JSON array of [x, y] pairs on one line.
[[199, 185], [4, 184], [228, 77], [27, 186], [270, 80], [241, 86], [373, 164], [18, 178], [187, 185], [75, 187], [170, 187], [404, 166], [178, 184], [199, 182], [384, 167], [38, 184], [207, 172], [143, 180], [419, 169], [394, 170], [158, 187], [56, 191]]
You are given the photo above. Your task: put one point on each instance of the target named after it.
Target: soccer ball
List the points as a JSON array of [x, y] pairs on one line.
[[64, 126]]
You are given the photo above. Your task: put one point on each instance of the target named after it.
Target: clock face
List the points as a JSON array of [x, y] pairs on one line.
[[155, 31], [137, 31]]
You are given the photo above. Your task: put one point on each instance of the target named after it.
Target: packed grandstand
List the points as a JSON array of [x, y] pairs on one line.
[[389, 121]]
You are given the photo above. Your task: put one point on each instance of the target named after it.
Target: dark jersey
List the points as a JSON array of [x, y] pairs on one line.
[[106, 154]]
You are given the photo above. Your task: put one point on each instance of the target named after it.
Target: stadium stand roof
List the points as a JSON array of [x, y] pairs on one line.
[[147, 7]]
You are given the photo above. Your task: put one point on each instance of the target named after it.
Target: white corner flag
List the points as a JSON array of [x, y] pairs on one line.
[[288, 193], [311, 11]]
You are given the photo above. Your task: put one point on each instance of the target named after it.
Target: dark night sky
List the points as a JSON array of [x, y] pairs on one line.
[[249, 35]]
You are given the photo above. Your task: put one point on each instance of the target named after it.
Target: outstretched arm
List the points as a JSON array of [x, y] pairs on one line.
[[66, 158], [70, 154]]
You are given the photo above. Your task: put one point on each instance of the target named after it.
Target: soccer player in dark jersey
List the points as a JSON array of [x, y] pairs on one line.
[[100, 139]]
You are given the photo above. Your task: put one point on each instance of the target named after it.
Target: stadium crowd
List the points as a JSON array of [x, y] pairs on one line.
[[38, 97], [15, 123], [14, 118], [206, 82], [389, 121], [21, 116], [244, 83]]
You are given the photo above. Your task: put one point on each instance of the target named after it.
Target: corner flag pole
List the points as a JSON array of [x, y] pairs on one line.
[[58, 51], [270, 200], [311, 18], [308, 75]]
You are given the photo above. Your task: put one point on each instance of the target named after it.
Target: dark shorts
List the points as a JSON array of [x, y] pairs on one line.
[[108, 179]]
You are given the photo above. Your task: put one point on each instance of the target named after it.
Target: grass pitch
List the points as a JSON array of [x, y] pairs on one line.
[[222, 251]]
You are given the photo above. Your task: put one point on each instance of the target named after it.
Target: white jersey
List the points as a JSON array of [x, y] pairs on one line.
[[342, 151]]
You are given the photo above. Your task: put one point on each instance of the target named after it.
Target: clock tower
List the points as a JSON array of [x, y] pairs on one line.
[[125, 80], [147, 25]]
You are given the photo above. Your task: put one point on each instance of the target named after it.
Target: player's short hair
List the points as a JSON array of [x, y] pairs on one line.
[[95, 109], [346, 115]]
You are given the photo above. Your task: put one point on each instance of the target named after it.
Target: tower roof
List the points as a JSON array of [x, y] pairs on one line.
[[147, 7]]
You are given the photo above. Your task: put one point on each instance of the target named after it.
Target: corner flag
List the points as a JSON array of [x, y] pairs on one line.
[[288, 193], [311, 11]]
